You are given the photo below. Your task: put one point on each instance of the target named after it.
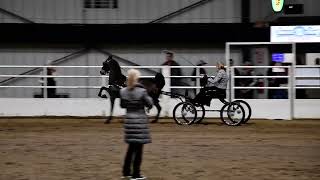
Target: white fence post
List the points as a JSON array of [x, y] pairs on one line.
[[232, 84], [293, 81], [45, 83], [166, 99]]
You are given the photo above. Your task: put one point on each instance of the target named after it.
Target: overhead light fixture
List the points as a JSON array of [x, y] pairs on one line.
[[277, 5]]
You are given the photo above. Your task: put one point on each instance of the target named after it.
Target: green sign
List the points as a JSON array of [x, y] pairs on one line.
[[277, 5]]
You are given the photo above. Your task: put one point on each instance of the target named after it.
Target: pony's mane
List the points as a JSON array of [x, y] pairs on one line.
[[116, 76]]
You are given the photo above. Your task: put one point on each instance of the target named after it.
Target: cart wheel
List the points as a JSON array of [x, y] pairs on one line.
[[184, 113], [246, 108], [232, 114], [201, 112]]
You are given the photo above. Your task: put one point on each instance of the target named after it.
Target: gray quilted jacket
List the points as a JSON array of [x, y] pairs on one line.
[[136, 126], [220, 80]]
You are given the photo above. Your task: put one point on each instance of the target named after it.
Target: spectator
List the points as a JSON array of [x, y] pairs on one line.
[[236, 71], [246, 82], [237, 83], [51, 92], [134, 99], [277, 82], [201, 71], [174, 71]]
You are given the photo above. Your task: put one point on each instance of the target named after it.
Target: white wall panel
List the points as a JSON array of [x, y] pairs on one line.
[[262, 109], [44, 11], [129, 11]]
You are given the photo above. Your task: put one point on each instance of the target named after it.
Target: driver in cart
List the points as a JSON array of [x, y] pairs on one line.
[[215, 87]]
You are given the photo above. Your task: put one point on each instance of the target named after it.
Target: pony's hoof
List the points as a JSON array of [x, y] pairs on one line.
[[104, 96]]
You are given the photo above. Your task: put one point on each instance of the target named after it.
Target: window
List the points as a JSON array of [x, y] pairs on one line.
[[105, 4]]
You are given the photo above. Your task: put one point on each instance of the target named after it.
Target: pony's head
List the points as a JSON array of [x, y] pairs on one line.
[[105, 66]]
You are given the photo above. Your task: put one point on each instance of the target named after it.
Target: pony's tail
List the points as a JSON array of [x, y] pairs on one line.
[[133, 77]]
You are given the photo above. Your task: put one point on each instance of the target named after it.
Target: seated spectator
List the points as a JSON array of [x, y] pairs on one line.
[[51, 92], [174, 71]]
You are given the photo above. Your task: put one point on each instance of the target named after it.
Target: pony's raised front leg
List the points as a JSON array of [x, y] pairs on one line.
[[101, 90]]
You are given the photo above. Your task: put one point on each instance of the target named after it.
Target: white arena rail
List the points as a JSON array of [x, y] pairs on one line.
[[166, 71]]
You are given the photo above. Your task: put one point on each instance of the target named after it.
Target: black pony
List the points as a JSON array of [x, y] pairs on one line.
[[117, 81]]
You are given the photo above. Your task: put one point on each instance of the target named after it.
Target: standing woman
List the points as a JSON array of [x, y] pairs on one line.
[[134, 99]]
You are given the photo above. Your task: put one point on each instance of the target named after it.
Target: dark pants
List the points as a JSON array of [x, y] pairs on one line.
[[134, 154], [207, 93]]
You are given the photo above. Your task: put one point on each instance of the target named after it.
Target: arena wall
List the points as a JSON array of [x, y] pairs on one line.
[[147, 56], [144, 11], [132, 11], [261, 108]]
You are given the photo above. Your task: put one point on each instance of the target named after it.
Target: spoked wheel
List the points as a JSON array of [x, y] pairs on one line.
[[247, 110], [201, 112], [184, 113], [232, 114]]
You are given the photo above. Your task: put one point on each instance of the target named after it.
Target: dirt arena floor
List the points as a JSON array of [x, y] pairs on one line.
[[82, 149]]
